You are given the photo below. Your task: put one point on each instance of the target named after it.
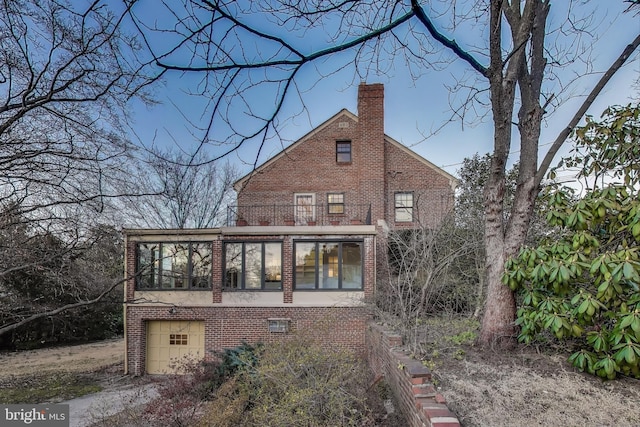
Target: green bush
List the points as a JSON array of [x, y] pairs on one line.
[[582, 285]]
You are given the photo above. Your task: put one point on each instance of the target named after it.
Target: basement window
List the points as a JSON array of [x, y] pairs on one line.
[[279, 326]]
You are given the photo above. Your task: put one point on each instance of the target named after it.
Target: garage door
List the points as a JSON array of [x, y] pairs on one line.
[[170, 340]]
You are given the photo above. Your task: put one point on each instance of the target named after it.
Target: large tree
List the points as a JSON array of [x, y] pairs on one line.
[[68, 71], [248, 52], [67, 74], [181, 190]]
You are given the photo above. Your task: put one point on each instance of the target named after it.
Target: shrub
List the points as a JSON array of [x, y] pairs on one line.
[[298, 382], [301, 382], [583, 283]]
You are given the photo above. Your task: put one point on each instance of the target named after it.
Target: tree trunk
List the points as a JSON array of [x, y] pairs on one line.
[[498, 326], [500, 307]]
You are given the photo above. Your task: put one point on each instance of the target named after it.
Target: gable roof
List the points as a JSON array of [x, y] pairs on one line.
[[452, 179], [344, 113]]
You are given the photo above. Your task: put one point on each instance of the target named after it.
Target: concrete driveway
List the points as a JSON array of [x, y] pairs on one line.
[[89, 409]]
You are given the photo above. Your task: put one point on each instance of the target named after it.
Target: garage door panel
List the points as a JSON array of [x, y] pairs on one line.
[[171, 340]]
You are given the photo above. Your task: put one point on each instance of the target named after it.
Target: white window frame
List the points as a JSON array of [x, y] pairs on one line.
[[330, 204], [303, 212], [400, 208]]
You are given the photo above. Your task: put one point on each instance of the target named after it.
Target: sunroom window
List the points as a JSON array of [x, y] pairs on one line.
[[328, 265], [169, 265], [253, 266]]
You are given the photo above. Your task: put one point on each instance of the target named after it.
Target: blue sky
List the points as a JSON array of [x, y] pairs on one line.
[[414, 107]]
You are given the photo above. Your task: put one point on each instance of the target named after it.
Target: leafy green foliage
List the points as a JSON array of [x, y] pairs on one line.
[[582, 283], [243, 358]]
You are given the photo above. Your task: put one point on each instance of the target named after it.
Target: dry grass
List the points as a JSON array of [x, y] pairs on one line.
[[524, 386], [60, 373], [77, 358], [485, 393]]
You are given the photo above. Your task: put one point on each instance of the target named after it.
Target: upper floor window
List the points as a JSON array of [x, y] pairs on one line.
[[328, 265], [253, 265], [343, 151], [335, 202], [305, 208], [404, 207], [169, 265]]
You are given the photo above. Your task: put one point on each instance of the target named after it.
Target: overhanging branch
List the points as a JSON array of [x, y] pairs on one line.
[[564, 133], [448, 43], [13, 326]]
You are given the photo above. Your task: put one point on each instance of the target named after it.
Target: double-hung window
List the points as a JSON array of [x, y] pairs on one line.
[[343, 151], [335, 202], [328, 265], [404, 207], [170, 265], [253, 266]]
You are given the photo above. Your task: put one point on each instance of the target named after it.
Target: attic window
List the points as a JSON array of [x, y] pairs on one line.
[[343, 151]]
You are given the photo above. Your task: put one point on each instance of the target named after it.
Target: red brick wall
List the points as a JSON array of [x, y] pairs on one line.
[[130, 270], [371, 148], [309, 167], [227, 327], [433, 195], [410, 382], [377, 170]]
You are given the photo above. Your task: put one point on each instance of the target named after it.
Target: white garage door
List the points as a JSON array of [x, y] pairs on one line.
[[169, 341]]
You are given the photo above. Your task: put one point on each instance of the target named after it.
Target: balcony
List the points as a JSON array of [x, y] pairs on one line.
[[298, 215]]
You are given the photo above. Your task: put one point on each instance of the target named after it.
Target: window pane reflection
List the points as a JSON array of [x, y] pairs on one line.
[[305, 265], [273, 266], [253, 265], [174, 265], [337, 265], [352, 265]]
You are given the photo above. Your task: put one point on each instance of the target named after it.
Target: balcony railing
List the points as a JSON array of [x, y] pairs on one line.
[[299, 215]]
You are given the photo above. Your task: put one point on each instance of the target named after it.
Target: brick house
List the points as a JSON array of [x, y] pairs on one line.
[[299, 250]]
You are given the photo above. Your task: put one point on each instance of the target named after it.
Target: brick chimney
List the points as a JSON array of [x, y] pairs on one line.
[[373, 170]]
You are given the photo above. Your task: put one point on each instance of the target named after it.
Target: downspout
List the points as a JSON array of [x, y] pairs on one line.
[[124, 309]]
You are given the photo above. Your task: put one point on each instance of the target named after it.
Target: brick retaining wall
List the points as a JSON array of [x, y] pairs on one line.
[[409, 380]]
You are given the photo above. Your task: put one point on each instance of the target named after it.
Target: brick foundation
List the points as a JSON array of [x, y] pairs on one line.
[[228, 327], [410, 382]]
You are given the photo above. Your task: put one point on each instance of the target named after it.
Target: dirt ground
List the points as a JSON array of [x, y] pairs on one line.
[[78, 358], [522, 387], [525, 387]]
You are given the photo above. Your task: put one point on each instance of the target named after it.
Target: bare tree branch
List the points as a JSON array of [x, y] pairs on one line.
[[50, 313], [586, 104]]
